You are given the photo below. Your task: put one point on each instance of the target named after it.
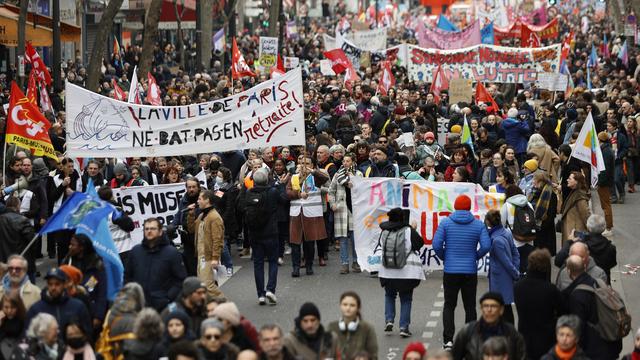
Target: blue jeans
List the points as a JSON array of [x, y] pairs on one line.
[[268, 248], [344, 249], [405, 306], [226, 259]]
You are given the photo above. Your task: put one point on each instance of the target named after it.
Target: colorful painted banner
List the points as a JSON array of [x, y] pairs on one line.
[[549, 31], [484, 63], [143, 202], [428, 203], [440, 39], [269, 114]]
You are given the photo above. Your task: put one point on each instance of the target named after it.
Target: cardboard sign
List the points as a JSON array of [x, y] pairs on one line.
[[552, 81], [460, 90]]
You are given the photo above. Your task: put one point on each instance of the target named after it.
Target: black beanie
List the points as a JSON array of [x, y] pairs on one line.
[[395, 215], [492, 295], [309, 309]]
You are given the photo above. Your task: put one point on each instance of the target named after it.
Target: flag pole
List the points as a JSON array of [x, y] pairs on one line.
[[4, 162], [35, 237]]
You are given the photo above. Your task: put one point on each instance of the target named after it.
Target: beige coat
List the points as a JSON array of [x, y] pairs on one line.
[[575, 212], [301, 226], [29, 293], [548, 161], [209, 242]]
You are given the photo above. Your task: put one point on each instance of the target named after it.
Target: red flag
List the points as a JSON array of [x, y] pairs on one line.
[[440, 82], [26, 126], [529, 38], [279, 69], [482, 95], [118, 93], [339, 60], [153, 91], [566, 48], [350, 77], [45, 100], [387, 80], [32, 57], [239, 67], [32, 89]]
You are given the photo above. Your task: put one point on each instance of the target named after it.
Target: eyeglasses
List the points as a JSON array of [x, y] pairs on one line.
[[209, 337], [15, 269]]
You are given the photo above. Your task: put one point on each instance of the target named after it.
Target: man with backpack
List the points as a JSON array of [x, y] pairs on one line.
[[456, 243], [209, 240], [518, 215], [603, 327], [260, 208]]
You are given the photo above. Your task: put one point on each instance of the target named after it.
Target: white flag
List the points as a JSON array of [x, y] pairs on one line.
[[587, 149], [133, 89]]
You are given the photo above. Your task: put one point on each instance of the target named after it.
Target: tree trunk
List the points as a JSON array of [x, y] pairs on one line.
[[22, 34], [205, 20], [180, 42], [97, 54], [150, 38], [274, 14]]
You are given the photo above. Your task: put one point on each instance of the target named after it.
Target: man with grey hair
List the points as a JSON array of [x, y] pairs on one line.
[[260, 209], [16, 279], [271, 339], [580, 249]]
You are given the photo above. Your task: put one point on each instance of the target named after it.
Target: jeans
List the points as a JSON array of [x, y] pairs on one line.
[[344, 249], [454, 283], [226, 259], [619, 180], [268, 248], [405, 306]]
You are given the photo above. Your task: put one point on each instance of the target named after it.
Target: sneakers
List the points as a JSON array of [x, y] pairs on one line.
[[388, 327], [280, 261], [295, 273], [607, 233], [448, 346], [355, 267], [229, 271], [271, 297], [287, 251], [262, 301], [405, 333], [344, 269]]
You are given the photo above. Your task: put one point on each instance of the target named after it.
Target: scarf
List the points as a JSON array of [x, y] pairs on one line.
[[542, 200], [6, 283], [565, 355], [635, 355], [52, 351], [86, 351]]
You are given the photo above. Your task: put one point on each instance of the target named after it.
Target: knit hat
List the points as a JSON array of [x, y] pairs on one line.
[[39, 167], [120, 169], [191, 284], [307, 309], [492, 295], [395, 215], [73, 273], [531, 165], [429, 135], [180, 315], [603, 136], [456, 129], [512, 113], [463, 202], [400, 111], [414, 346], [228, 311]]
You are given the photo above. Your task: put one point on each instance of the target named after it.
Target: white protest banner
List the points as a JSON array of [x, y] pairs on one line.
[[428, 203], [143, 202], [325, 68], [269, 114], [441, 39], [268, 52], [552, 82], [443, 130], [486, 63], [290, 62], [369, 40]]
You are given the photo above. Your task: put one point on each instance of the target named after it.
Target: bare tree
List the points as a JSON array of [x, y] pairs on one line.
[[22, 32], [274, 15], [150, 37], [102, 37]]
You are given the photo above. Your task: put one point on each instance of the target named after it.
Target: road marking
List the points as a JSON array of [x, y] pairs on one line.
[[441, 294], [435, 314], [427, 335], [438, 304], [432, 324], [426, 345]]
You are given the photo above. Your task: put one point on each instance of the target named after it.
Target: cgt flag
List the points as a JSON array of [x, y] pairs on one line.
[[339, 60], [27, 127], [118, 93], [153, 92], [387, 80], [32, 57], [440, 82], [239, 67], [86, 213]]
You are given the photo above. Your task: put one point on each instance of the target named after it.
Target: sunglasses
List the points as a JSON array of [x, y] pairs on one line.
[[16, 269], [209, 337]]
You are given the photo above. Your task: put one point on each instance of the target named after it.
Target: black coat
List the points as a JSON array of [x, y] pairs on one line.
[[468, 342], [270, 231], [601, 249], [539, 304], [606, 177], [15, 231]]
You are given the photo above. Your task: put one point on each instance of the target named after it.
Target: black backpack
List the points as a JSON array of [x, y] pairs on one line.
[[256, 212], [524, 224]]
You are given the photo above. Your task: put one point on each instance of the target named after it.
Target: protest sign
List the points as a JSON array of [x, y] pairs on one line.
[[325, 68], [443, 130], [552, 82], [428, 203], [290, 62], [460, 90], [143, 202], [269, 114], [484, 63], [441, 39], [268, 52], [369, 40]]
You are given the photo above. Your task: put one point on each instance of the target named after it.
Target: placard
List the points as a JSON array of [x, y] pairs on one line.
[[268, 52], [460, 90], [552, 82]]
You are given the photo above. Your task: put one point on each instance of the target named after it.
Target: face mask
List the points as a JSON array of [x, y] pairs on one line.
[[219, 180], [76, 343]]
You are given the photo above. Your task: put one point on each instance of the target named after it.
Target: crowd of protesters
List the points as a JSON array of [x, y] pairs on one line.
[[522, 149]]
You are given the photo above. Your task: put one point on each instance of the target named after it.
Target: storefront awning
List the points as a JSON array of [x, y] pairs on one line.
[[40, 35]]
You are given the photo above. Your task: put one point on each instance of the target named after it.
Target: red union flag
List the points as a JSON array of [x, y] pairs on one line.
[[153, 92], [482, 95], [32, 89], [339, 60], [26, 126], [387, 80], [529, 38], [45, 100], [32, 57], [350, 77], [118, 93], [239, 67], [440, 82]]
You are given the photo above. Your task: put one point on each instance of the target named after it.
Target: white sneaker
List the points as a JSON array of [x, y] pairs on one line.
[[448, 346], [272, 298], [287, 251], [607, 233], [280, 261], [262, 300], [229, 271]]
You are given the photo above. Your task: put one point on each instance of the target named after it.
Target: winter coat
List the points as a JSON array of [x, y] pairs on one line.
[[456, 242], [385, 169], [379, 118], [209, 237], [15, 231], [516, 134], [34, 349], [63, 308], [563, 280], [551, 355], [29, 293], [303, 226], [299, 345], [606, 177], [270, 230], [407, 278], [508, 211], [601, 250], [468, 341], [226, 207], [575, 212], [504, 263], [144, 266], [583, 304], [143, 349], [539, 304], [94, 280], [548, 161], [342, 216], [351, 342]]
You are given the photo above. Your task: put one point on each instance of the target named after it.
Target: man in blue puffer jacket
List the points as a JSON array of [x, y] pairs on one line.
[[516, 133], [456, 243]]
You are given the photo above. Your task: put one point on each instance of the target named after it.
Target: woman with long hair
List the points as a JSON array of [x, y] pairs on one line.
[[504, 178], [12, 316], [354, 334], [575, 210], [457, 159]]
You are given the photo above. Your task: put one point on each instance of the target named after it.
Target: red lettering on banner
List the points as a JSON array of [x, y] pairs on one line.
[[488, 55]]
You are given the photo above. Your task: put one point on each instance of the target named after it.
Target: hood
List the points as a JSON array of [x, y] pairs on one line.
[[518, 200], [596, 242], [509, 123], [462, 217]]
